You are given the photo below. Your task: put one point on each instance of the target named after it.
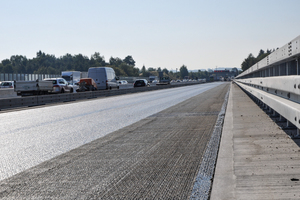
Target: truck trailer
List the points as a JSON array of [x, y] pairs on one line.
[[32, 87]]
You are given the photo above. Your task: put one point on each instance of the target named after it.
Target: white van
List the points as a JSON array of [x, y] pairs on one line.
[[104, 77]]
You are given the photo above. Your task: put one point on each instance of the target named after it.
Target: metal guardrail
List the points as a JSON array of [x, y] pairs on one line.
[[275, 83], [67, 97], [283, 61], [288, 109], [287, 87]]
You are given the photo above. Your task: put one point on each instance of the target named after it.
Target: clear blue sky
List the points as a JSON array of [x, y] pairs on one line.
[[200, 34]]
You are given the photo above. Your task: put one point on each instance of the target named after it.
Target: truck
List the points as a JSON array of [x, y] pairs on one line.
[[152, 78], [32, 87], [83, 74], [71, 77], [163, 80]]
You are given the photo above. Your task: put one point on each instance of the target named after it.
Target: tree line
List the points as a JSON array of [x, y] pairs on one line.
[[49, 64], [181, 74], [251, 60]]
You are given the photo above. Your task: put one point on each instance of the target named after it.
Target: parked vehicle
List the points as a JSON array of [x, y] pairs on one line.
[[140, 83], [86, 84], [32, 87], [60, 85], [122, 82], [104, 77], [7, 84], [71, 77]]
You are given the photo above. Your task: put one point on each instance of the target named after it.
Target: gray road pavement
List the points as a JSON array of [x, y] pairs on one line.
[[157, 157], [31, 136], [257, 159]]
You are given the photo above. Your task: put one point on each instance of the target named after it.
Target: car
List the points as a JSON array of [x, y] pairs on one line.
[[122, 82], [140, 83], [60, 85], [7, 84]]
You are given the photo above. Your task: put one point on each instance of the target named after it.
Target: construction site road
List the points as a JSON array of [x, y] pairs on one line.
[[157, 157]]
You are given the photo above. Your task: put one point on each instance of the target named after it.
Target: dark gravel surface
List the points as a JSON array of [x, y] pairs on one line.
[[155, 158]]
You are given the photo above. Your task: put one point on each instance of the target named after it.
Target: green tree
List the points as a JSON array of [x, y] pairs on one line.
[[251, 60], [18, 63], [183, 71], [151, 69], [8, 69], [5, 62], [248, 62], [165, 71], [129, 61], [97, 60], [143, 70], [81, 63], [115, 61], [119, 71]]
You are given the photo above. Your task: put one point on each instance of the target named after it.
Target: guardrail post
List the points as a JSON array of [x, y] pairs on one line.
[[281, 119], [296, 136], [289, 125]]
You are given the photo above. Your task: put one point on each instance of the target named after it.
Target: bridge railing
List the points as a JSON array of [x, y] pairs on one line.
[[275, 82]]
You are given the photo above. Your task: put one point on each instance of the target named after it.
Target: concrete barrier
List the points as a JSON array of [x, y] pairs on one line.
[[44, 99], [18, 102], [7, 93], [126, 86]]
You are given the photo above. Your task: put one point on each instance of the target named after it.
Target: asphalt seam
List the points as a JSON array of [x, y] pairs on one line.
[[204, 179]]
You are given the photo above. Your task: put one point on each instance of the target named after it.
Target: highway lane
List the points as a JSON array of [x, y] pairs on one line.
[[29, 137]]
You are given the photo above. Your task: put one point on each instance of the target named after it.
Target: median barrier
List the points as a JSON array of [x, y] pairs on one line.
[[18, 102], [82, 95], [43, 99], [65, 97], [98, 93], [7, 93]]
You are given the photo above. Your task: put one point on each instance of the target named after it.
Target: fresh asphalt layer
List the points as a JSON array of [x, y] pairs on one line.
[[257, 159], [157, 157], [30, 136]]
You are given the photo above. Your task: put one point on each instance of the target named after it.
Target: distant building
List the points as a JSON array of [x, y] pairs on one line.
[[220, 74]]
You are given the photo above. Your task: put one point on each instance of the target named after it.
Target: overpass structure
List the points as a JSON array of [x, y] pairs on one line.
[[274, 82]]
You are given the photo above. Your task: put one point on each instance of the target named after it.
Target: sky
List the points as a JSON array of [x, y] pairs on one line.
[[199, 34]]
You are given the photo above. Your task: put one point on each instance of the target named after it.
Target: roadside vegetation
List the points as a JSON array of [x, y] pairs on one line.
[[49, 64], [251, 60]]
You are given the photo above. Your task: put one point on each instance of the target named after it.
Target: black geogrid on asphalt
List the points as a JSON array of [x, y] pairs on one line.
[[203, 183], [155, 158]]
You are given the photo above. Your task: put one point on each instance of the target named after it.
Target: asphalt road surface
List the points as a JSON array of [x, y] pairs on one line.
[[137, 146]]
